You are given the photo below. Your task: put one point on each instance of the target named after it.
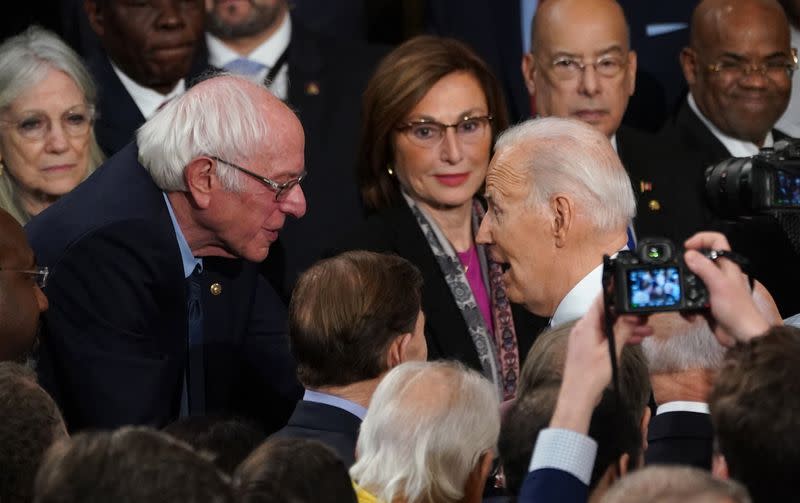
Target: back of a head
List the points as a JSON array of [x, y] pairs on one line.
[[30, 423], [399, 82], [675, 484], [569, 156], [346, 311], [227, 441], [429, 426], [679, 344], [755, 403], [529, 414], [293, 470], [128, 465]]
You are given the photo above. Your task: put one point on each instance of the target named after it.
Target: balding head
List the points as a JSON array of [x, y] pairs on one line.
[[21, 300], [583, 32], [737, 66]]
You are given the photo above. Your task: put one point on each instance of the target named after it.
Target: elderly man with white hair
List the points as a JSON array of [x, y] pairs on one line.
[[559, 199], [428, 436]]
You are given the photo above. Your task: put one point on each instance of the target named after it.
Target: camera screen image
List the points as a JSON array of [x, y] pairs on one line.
[[654, 287], [787, 189]]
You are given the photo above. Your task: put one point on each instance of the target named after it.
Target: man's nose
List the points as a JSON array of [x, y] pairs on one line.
[[484, 236], [589, 81], [294, 203]]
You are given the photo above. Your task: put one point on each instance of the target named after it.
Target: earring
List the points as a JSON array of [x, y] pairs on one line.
[[389, 170]]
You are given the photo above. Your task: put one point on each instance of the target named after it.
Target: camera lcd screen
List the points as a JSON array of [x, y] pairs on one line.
[[787, 189], [654, 287]]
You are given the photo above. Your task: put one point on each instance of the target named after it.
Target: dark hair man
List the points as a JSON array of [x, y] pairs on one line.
[[352, 318]]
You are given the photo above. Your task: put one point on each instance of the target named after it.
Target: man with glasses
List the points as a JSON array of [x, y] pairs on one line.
[[21, 297], [738, 66], [158, 308]]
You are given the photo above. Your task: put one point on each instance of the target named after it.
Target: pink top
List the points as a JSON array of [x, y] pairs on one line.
[[469, 259]]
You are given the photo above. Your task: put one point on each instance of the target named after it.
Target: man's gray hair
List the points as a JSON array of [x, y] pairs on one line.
[[675, 484], [427, 427], [219, 120], [680, 345], [569, 156]]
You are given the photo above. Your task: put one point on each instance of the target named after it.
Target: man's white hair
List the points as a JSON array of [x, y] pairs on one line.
[[219, 120], [427, 426], [569, 156], [680, 345]]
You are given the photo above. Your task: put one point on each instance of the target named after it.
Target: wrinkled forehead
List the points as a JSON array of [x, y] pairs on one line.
[[508, 176], [588, 27]]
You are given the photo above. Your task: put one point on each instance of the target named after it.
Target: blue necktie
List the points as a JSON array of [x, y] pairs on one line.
[[244, 66], [631, 238], [195, 365]]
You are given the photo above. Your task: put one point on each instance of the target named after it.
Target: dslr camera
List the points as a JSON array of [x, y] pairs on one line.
[[766, 183], [652, 278]]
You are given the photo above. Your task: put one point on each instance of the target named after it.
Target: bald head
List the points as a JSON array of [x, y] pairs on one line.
[[569, 38], [21, 300], [737, 66], [553, 15]]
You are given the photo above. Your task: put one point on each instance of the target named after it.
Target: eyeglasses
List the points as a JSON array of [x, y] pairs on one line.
[[76, 122], [280, 189], [38, 274], [429, 133], [774, 69], [569, 68]]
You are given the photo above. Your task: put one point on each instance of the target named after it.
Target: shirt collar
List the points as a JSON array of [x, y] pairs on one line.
[[613, 140], [736, 147], [147, 100], [577, 301], [335, 401], [190, 262], [267, 53], [681, 406]]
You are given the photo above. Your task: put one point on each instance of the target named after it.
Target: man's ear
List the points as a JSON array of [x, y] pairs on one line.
[[95, 14], [396, 354], [719, 467], [562, 208], [200, 181], [689, 65], [528, 72]]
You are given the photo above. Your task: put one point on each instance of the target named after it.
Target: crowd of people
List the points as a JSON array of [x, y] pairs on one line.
[[243, 260]]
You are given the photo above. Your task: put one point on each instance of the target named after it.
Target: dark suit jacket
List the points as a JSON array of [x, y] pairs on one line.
[[676, 206], [115, 343], [335, 427], [683, 438], [119, 117], [395, 230], [326, 79], [549, 484]]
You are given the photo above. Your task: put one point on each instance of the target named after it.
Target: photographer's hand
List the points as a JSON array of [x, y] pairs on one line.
[[734, 315], [587, 369]]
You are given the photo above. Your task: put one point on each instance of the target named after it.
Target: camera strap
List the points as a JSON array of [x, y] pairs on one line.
[[608, 324]]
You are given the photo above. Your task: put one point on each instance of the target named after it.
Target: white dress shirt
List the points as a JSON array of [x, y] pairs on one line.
[[683, 406], [267, 54], [146, 99], [578, 300]]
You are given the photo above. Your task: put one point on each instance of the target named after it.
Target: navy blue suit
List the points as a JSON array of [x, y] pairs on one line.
[[335, 427], [115, 340], [549, 484], [683, 438]]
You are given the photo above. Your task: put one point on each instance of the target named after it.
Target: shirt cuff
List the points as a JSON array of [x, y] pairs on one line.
[[565, 450]]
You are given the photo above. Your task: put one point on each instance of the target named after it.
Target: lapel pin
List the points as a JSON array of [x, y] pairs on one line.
[[645, 186], [654, 205], [216, 289], [312, 88]]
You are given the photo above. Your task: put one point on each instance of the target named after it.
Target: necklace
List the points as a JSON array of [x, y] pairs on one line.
[[466, 258]]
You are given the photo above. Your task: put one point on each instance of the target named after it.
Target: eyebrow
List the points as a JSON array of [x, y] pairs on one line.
[[466, 113], [613, 48], [742, 57]]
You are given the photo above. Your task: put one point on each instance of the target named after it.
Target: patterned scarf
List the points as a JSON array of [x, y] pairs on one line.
[[499, 355]]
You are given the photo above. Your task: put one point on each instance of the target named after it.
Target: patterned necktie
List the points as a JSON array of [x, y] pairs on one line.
[[244, 66]]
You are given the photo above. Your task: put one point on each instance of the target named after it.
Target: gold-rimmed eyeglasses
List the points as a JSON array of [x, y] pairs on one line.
[[774, 68], [569, 67], [280, 189], [38, 274], [428, 133], [76, 122]]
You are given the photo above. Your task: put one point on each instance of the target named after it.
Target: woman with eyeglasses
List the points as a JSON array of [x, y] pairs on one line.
[[47, 146], [430, 114]]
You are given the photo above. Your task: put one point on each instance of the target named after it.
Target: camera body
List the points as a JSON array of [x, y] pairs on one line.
[[653, 278], [766, 183]]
